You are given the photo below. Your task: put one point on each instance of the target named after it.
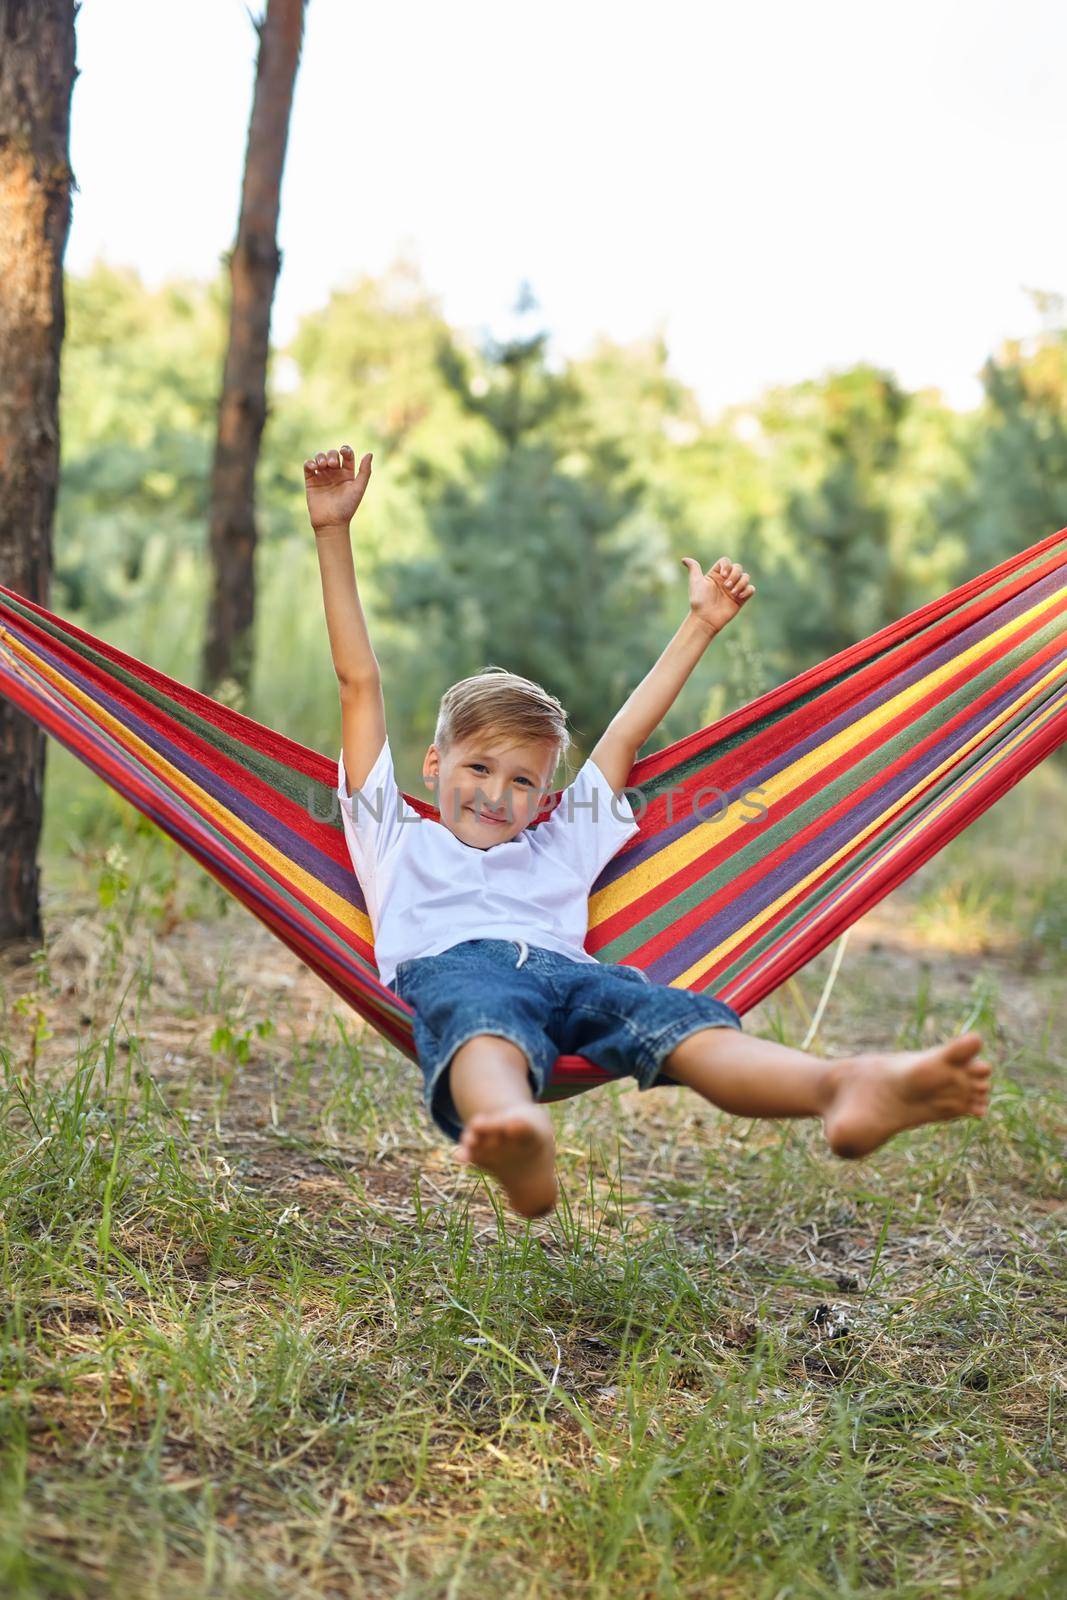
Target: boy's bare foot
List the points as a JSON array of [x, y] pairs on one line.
[[518, 1147], [872, 1097]]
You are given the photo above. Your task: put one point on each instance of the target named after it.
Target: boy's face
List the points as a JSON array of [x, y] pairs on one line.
[[488, 793]]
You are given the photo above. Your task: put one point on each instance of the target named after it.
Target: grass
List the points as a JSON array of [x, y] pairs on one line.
[[262, 1338]]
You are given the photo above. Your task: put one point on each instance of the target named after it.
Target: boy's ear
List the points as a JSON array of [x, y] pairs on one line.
[[431, 766]]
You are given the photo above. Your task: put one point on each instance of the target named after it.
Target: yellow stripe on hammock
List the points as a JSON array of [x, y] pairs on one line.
[[255, 846], [648, 875]]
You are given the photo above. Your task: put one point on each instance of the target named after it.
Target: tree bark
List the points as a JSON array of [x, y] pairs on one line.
[[37, 72], [254, 266]]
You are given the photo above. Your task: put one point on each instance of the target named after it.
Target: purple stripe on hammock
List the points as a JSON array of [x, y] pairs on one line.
[[1058, 703], [293, 846], [168, 813], [714, 931], [644, 849]]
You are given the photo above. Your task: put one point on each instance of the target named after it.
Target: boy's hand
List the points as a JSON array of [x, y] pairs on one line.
[[334, 487], [717, 595]]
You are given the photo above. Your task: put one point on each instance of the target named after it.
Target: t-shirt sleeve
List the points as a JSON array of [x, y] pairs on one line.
[[590, 823], [374, 816]]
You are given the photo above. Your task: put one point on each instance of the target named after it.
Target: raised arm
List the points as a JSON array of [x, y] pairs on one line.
[[334, 491], [715, 598]]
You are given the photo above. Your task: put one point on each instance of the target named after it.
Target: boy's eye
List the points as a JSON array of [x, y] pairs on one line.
[[474, 765]]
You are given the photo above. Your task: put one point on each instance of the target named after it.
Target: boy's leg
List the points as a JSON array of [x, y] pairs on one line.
[[863, 1100], [505, 1131]]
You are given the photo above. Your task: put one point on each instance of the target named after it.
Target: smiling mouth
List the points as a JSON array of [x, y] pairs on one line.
[[492, 822]]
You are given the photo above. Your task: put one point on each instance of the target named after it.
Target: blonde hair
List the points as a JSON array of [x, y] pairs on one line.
[[504, 705]]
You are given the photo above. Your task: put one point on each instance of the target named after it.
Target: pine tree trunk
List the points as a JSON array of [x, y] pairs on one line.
[[254, 266], [37, 73]]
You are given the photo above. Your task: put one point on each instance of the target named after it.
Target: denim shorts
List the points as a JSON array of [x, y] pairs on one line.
[[549, 1005]]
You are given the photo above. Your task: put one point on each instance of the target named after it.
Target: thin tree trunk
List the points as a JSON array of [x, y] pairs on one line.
[[254, 266], [37, 73]]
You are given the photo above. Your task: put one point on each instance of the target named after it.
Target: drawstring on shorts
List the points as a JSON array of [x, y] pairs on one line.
[[524, 951]]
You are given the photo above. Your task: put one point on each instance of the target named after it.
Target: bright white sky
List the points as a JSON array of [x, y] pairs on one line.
[[782, 186]]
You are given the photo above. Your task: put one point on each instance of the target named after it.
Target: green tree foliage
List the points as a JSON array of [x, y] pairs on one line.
[[366, 370], [527, 511], [541, 554], [838, 444], [139, 387], [1016, 489]]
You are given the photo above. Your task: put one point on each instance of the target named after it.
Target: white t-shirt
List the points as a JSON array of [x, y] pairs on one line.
[[426, 890]]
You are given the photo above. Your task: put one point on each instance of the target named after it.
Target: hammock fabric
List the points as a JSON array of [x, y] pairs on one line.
[[865, 764]]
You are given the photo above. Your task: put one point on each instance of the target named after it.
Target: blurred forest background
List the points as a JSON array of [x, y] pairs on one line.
[[264, 1337], [520, 513]]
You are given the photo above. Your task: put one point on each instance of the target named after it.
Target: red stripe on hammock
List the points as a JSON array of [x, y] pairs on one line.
[[744, 996], [659, 761], [669, 890], [969, 806]]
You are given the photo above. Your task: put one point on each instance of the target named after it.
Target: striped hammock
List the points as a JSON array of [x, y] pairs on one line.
[[863, 767]]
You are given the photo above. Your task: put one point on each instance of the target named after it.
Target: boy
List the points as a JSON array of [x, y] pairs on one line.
[[480, 920]]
